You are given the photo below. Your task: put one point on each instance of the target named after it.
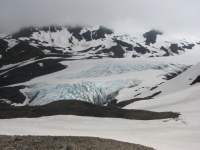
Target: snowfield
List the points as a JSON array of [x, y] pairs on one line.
[[181, 133], [112, 67], [99, 81], [179, 96]]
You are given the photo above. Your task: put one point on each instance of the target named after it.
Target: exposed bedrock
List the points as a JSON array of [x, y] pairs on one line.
[[87, 35], [166, 51], [12, 94], [117, 50], [174, 48], [96, 34], [189, 46], [100, 33], [3, 46], [124, 44], [196, 80], [75, 32], [151, 36], [20, 52], [141, 49], [30, 71]]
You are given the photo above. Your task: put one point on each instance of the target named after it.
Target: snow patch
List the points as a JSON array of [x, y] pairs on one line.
[[11, 42], [47, 51], [24, 38], [40, 64]]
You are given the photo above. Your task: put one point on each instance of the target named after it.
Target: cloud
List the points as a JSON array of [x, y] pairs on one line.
[[128, 16]]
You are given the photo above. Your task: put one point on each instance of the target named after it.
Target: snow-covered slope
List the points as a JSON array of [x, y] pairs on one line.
[[89, 42], [178, 83], [42, 65], [179, 96], [33, 52], [179, 134]]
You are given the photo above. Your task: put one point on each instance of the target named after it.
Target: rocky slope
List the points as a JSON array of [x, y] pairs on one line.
[[64, 143], [87, 42]]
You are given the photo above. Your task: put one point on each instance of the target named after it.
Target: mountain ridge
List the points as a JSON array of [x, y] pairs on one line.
[[91, 42]]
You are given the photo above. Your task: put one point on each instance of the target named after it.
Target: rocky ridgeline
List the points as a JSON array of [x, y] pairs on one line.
[[89, 42]]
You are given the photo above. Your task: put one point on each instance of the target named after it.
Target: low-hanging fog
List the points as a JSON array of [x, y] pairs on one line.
[[179, 17]]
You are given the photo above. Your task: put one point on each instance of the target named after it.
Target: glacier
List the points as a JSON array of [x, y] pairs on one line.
[[93, 92], [113, 67]]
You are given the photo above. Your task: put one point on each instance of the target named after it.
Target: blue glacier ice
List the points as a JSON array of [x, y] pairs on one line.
[[93, 92]]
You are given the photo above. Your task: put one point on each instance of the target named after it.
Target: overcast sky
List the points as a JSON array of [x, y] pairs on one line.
[[124, 16]]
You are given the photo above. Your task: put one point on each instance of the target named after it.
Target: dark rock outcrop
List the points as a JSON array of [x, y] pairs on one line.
[[71, 40], [91, 48], [172, 75], [100, 33], [166, 51], [124, 44], [3, 46], [20, 52], [54, 50], [196, 80], [30, 71], [117, 50], [151, 36], [76, 32], [12, 94], [134, 56], [174, 48], [87, 36], [97, 34], [153, 88], [127, 102], [141, 49], [189, 46]]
